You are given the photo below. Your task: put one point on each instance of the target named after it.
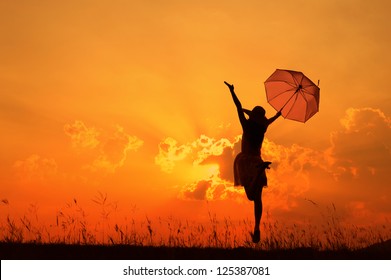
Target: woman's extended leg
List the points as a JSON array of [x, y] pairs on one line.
[[257, 215]]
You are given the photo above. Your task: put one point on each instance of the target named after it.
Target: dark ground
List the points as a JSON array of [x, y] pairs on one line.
[[29, 251]]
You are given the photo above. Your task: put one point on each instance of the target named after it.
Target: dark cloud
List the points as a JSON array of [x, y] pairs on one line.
[[362, 147], [225, 160], [210, 189], [198, 190]]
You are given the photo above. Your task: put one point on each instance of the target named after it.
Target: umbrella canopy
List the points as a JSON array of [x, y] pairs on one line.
[[292, 93]]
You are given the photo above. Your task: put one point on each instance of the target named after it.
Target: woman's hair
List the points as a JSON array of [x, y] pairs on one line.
[[258, 111]]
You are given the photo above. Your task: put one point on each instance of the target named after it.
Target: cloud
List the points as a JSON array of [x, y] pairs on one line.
[[224, 158], [361, 148], [361, 162], [35, 168], [365, 119], [114, 151], [197, 190], [288, 177], [213, 188], [109, 149], [170, 153], [352, 171], [196, 152], [217, 154], [82, 137], [207, 147]]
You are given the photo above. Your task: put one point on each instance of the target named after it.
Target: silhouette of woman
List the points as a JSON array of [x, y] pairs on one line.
[[249, 168]]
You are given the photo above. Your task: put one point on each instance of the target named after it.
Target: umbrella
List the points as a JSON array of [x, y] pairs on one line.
[[292, 93]]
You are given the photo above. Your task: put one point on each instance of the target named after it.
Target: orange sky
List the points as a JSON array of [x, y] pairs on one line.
[[127, 98]]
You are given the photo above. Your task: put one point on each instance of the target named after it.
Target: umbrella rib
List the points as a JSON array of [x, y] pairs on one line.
[[277, 95], [283, 81], [309, 114], [297, 82], [306, 101], [296, 96], [286, 82], [305, 90]]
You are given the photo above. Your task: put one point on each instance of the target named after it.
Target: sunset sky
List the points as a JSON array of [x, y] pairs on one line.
[[126, 98]]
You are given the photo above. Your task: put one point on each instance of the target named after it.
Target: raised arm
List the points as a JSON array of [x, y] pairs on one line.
[[272, 119], [246, 111], [242, 118]]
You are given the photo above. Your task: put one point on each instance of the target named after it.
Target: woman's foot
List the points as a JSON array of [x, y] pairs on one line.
[[256, 236]]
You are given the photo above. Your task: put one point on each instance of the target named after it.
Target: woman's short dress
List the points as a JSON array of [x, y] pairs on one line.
[[249, 172]]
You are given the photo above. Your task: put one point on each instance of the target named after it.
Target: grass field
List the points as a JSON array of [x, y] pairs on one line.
[[121, 252], [74, 237]]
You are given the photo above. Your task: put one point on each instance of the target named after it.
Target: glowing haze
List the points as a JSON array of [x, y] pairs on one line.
[[127, 98]]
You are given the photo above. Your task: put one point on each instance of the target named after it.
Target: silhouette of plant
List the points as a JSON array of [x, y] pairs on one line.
[[73, 227]]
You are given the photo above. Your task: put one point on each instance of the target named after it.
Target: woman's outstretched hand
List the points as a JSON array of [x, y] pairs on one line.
[[231, 87]]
